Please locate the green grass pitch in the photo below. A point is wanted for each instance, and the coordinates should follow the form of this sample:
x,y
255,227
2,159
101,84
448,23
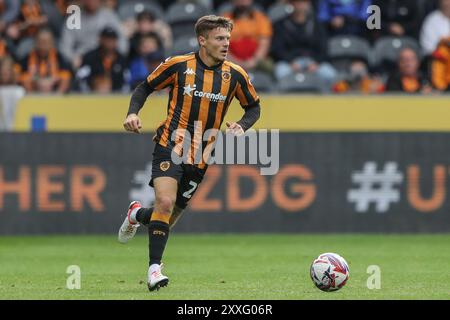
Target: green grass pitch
x,y
224,266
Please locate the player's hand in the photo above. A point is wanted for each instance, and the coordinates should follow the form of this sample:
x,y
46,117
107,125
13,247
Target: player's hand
x,y
133,123
234,128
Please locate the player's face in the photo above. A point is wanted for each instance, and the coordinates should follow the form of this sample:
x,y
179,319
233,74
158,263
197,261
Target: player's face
x,y
217,43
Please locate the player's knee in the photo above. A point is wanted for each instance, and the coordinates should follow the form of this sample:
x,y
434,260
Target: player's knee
x,y
165,204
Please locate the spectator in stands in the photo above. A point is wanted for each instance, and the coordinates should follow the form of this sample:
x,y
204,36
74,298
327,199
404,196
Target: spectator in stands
x,y
300,44
150,55
147,22
359,81
77,42
105,66
399,18
344,16
440,70
9,71
32,16
435,27
30,19
62,5
251,36
9,11
408,78
44,69
6,48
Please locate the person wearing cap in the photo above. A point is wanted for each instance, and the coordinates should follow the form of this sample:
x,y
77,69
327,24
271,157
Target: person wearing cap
x,y
94,18
104,66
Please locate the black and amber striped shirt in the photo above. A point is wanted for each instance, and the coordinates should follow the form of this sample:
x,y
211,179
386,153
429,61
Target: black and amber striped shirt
x,y
199,98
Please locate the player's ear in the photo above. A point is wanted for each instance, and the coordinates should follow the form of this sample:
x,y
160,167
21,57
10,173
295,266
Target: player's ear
x,y
201,40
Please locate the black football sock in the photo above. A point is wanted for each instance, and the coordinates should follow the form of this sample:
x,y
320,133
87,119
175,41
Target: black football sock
x,y
158,233
143,216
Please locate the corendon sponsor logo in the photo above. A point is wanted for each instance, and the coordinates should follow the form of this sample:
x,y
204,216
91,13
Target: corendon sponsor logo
x,y
214,97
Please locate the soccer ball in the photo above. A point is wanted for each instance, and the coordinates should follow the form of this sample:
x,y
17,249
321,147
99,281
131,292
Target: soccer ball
x,y
329,272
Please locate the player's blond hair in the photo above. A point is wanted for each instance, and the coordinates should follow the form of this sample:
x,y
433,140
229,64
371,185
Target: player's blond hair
x,y
211,22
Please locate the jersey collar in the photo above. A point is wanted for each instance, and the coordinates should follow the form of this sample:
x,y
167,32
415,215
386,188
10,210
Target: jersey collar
x,y
197,56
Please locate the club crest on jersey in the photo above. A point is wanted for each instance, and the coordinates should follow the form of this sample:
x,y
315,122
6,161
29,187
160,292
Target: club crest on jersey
x,y
164,166
226,76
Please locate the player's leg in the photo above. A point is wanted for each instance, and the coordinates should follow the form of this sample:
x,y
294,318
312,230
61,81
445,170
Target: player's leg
x,y
143,215
136,216
158,228
188,185
171,198
162,166
176,214
130,224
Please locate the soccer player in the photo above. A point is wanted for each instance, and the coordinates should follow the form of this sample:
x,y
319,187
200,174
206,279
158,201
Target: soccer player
x,y
202,86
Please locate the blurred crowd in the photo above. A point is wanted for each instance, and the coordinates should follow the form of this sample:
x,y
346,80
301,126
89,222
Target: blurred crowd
x,y
286,46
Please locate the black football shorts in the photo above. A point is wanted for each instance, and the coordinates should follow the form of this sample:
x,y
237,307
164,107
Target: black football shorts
x,y
187,176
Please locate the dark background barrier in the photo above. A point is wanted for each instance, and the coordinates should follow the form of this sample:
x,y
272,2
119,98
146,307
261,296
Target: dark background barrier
x,y
327,182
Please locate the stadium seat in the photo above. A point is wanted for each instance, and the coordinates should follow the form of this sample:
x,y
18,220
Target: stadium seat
x,y
279,11
386,49
130,9
348,47
342,50
183,16
261,81
184,45
300,82
183,30
185,12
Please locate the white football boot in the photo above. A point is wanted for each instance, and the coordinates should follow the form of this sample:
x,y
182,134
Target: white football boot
x,y
128,228
156,279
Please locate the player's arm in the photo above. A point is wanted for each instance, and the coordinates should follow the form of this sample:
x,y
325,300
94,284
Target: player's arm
x,y
160,78
249,101
249,118
133,122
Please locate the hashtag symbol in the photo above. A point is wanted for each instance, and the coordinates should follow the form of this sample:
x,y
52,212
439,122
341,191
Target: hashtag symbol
x,y
375,187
